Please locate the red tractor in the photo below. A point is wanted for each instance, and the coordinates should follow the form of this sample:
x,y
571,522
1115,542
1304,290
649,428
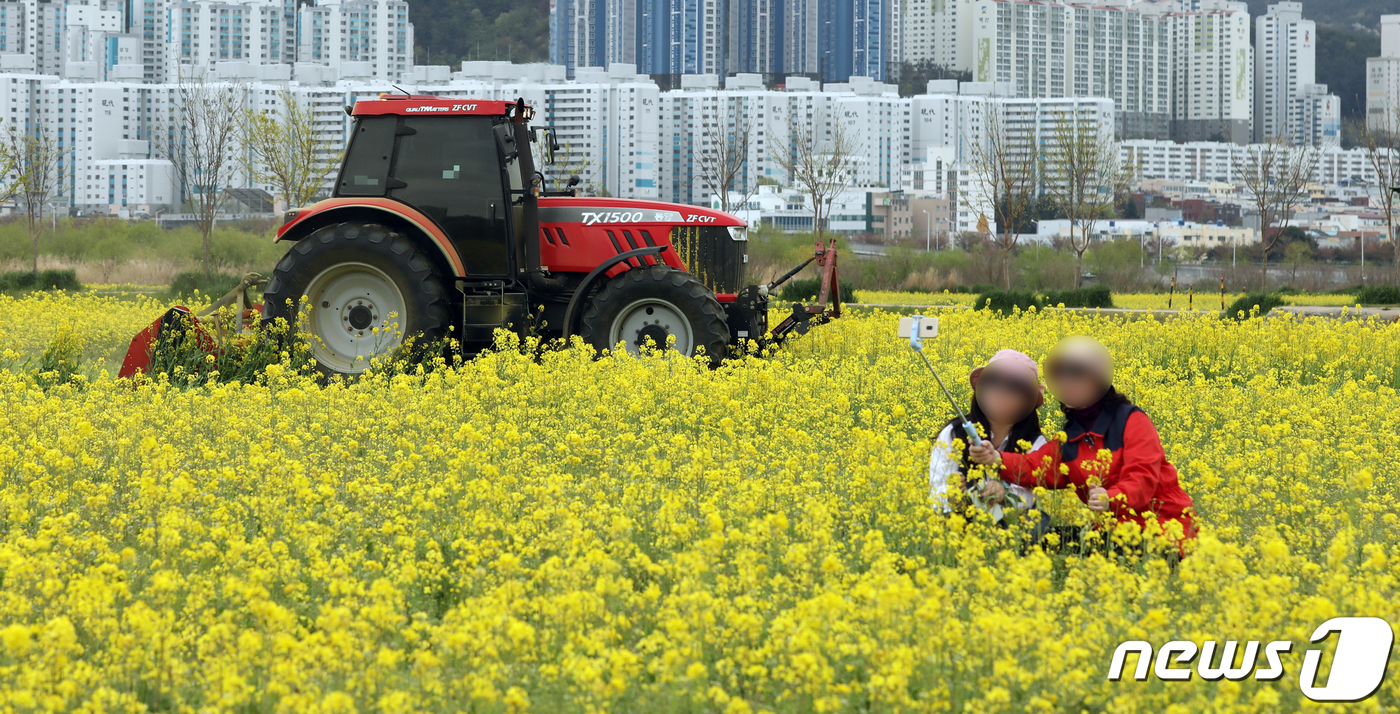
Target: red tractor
x,y
440,225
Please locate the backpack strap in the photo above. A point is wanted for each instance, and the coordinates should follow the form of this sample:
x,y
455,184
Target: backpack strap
x,y
1107,433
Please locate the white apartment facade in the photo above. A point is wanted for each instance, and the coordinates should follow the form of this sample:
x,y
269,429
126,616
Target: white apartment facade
x,y
1383,79
361,38
1285,61
1172,69
1315,117
160,41
873,116
1213,81
607,120
1065,50
1206,161
68,39
210,32
934,30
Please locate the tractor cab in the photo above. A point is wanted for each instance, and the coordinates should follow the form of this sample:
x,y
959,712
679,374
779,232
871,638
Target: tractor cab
x,y
456,162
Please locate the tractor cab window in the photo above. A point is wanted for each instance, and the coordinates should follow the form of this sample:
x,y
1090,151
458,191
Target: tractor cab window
x,y
449,168
366,168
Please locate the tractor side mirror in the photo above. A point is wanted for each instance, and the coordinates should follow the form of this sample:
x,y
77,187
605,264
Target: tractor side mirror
x,y
545,135
505,141
574,181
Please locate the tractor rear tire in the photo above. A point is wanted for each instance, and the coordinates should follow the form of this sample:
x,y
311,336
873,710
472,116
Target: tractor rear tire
x,y
368,287
651,304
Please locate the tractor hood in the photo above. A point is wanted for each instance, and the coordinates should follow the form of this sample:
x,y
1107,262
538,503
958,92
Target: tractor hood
x,y
580,232
592,210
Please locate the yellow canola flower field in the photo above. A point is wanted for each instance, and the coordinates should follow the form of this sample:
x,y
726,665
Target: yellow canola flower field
x,y
102,321
645,535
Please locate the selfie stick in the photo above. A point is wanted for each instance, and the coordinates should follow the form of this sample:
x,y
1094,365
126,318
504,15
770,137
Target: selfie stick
x,y
917,343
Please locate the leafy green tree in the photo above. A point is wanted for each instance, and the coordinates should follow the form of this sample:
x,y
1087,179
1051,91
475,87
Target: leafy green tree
x,y
283,148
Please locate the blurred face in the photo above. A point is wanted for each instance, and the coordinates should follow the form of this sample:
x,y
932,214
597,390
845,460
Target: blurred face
x,y
1003,398
1075,383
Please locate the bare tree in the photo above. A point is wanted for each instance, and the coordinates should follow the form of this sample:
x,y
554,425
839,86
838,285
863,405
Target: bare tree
x,y
1003,171
1085,176
723,156
1380,140
35,163
11,180
200,137
283,150
1275,175
820,167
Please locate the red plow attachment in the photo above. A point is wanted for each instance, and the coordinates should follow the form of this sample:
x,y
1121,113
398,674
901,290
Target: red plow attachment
x,y
828,304
180,322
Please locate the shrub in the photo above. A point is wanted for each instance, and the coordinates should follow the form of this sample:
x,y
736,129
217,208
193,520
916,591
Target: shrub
x,y
42,280
1096,296
213,285
1006,301
59,363
803,290
1240,308
1378,295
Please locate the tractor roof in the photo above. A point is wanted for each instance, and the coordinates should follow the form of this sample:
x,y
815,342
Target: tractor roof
x,y
412,104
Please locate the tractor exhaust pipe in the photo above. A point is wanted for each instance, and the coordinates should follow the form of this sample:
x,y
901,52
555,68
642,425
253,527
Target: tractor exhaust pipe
x,y
528,233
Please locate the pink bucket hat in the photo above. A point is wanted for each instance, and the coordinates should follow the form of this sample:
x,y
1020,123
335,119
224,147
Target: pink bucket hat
x,y
1016,364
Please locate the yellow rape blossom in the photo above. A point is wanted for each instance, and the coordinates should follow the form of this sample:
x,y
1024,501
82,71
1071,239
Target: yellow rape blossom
x,y
564,534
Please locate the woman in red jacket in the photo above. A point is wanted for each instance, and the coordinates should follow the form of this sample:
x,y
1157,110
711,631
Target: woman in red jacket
x,y
1134,481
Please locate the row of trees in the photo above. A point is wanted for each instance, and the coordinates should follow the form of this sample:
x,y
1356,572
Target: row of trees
x,y
819,160
214,140
32,167
1082,172
1380,140
1077,168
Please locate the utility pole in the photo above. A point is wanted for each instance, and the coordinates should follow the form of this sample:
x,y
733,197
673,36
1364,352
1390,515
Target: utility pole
x,y
928,231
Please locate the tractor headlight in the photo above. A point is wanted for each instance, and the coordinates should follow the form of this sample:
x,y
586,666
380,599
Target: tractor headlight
x,y
290,216
739,233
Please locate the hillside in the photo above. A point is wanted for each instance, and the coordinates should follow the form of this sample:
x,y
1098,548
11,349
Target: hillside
x,y
1344,13
450,31
1341,65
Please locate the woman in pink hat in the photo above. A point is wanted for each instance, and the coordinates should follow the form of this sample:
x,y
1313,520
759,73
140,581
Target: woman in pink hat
x,y
1006,394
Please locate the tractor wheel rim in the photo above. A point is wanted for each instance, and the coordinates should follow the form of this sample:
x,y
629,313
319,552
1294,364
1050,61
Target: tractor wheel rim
x,y
357,313
655,319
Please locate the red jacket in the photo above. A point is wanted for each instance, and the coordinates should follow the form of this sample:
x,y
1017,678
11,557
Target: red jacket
x,y
1139,479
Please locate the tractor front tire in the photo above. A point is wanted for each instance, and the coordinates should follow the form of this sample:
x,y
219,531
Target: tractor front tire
x,y
648,306
367,288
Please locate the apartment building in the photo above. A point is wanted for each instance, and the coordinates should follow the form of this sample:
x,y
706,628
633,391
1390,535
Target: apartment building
x,y
1285,62
1383,79
1206,161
